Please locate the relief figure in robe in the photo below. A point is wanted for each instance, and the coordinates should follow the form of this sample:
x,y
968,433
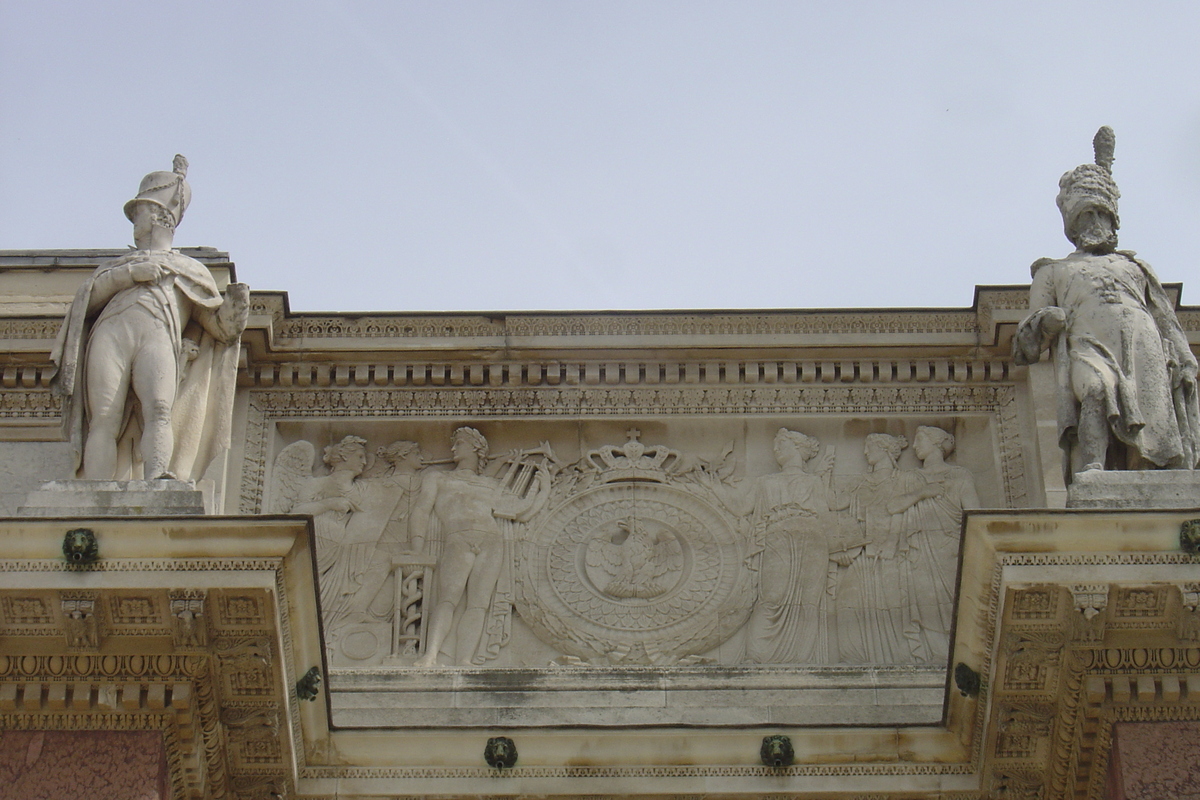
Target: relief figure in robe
x,y
791,532
871,590
933,524
387,499
332,500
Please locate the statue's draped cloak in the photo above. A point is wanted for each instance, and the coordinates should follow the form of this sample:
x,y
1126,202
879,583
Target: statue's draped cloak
x,y
203,408
1140,356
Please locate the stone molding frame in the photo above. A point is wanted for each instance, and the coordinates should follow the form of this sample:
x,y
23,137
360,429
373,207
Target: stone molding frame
x,y
1052,687
214,680
1067,660
1053,678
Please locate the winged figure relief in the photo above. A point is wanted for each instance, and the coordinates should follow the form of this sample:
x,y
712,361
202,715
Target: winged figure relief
x,y
636,562
332,500
293,471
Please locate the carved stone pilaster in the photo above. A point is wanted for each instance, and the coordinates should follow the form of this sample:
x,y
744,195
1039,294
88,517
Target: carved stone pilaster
x,y
1091,601
188,625
1189,613
79,620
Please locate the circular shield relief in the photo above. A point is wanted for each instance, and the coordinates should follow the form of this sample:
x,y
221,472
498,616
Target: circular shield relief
x,y
633,573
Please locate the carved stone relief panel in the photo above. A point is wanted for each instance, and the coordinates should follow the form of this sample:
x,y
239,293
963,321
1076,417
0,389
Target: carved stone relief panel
x,y
715,540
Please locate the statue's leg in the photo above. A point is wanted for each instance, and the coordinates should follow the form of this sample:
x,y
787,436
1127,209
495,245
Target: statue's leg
x,y
1093,432
453,569
155,382
107,389
480,589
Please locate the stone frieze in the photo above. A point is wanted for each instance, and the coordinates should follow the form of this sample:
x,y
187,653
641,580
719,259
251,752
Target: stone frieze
x,y
766,549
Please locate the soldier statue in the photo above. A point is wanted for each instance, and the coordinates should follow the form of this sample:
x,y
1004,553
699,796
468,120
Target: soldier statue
x,y
1126,374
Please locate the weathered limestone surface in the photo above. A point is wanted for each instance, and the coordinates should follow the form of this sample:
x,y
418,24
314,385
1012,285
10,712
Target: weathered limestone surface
x,y
78,498
639,697
24,466
1131,490
632,543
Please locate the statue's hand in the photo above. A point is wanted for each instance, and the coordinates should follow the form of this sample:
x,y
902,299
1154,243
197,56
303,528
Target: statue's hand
x,y
234,311
239,292
145,271
189,349
845,558
237,300
1053,321
1181,365
1036,333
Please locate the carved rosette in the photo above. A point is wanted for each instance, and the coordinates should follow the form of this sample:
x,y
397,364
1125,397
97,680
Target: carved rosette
x,y
674,584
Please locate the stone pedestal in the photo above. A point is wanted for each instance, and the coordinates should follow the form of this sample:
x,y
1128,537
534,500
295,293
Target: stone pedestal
x,y
1134,489
76,498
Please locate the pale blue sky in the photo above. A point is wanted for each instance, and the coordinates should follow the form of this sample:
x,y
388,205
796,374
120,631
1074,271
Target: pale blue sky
x,y
559,155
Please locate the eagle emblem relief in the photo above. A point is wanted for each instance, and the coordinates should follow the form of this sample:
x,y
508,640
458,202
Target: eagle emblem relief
x,y
635,560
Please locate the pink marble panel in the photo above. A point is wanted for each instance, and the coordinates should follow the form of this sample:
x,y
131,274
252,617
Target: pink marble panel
x,y
94,765
1154,761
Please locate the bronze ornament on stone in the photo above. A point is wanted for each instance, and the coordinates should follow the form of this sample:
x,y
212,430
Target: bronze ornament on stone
x,y
309,685
500,752
777,751
80,546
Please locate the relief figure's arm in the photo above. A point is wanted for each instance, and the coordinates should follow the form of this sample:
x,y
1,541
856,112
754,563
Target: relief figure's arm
x,y
903,502
837,497
970,497
418,518
337,503
309,503
739,498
